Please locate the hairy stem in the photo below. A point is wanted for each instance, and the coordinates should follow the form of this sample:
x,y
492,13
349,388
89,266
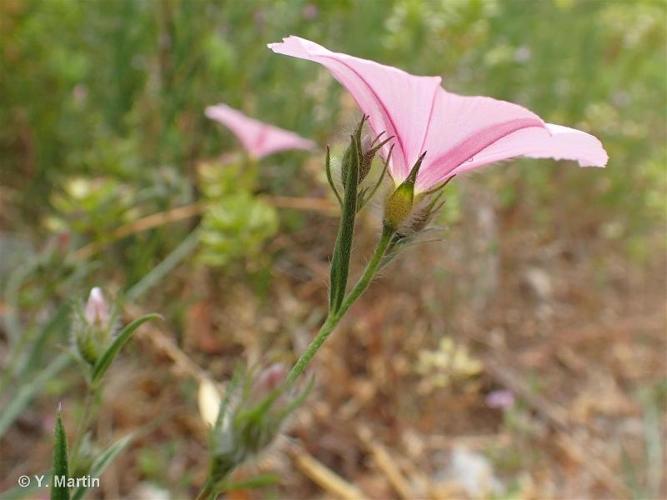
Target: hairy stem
x,y
89,409
208,491
335,316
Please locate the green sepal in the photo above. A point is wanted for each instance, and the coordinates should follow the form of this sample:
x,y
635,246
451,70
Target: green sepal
x,y
330,177
399,204
363,199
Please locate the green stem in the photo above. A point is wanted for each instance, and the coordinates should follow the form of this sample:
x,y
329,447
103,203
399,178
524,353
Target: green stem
x,y
334,318
89,408
208,491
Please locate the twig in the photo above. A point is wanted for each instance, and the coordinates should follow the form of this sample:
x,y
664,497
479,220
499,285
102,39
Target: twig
x,y
386,464
140,225
325,477
321,205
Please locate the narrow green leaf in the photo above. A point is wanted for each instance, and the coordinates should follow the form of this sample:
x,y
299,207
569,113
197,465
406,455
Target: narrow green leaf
x,y
59,490
103,461
121,339
26,392
159,272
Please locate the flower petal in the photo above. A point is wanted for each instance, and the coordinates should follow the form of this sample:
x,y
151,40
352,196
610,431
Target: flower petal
x,y
396,102
469,132
259,139
551,141
464,126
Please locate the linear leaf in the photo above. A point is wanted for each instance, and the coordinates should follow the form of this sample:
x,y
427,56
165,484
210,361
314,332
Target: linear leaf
x,y
121,339
59,491
340,261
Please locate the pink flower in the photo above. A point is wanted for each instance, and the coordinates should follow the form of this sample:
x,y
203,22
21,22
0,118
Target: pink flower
x,y
458,133
259,139
500,398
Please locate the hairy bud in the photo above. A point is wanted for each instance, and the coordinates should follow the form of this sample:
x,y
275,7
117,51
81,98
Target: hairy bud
x,y
97,309
250,418
92,327
399,206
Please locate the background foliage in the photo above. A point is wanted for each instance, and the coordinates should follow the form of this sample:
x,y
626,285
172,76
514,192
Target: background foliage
x,y
102,110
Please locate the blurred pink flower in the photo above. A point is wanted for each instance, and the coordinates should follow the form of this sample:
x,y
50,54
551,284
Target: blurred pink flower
x,y
97,310
458,133
259,139
500,398
269,379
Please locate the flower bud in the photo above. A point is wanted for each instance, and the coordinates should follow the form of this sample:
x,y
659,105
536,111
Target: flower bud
x,y
97,309
500,398
92,327
369,148
351,158
252,416
269,380
399,204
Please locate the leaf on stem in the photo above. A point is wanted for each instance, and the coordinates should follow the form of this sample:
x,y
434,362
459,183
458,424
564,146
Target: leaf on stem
x,y
340,261
105,360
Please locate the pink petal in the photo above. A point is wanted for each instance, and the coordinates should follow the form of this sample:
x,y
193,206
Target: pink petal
x,y
396,102
469,132
553,141
462,127
259,139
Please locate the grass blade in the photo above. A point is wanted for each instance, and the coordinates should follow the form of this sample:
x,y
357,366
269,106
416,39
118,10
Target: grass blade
x,y
24,395
159,272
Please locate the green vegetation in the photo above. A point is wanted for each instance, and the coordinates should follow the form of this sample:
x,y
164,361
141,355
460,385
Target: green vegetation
x,y
102,111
